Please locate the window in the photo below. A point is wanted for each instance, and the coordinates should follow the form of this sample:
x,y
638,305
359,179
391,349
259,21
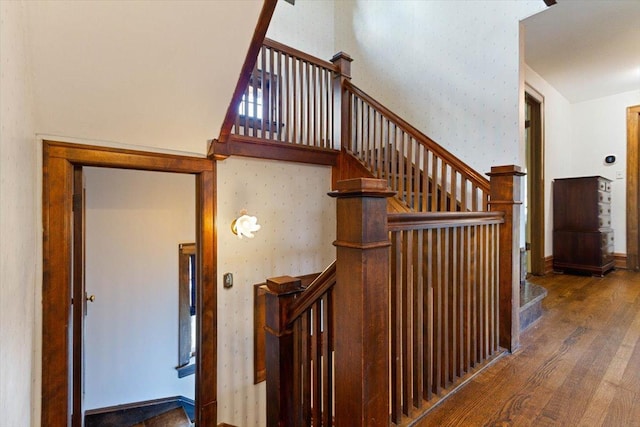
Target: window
x,y
187,287
259,105
251,104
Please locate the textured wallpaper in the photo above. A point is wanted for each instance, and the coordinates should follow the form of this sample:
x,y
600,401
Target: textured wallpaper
x,y
19,222
450,68
298,228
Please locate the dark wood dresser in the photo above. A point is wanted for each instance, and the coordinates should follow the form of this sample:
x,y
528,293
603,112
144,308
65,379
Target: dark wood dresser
x,y
582,233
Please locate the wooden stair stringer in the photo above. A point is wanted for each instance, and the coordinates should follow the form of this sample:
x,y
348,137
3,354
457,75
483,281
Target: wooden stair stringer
x,y
349,167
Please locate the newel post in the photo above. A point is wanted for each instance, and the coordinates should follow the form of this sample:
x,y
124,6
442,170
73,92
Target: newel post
x,y
281,292
341,104
505,197
361,299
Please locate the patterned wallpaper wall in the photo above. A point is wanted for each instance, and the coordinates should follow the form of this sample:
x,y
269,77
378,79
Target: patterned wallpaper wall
x,y
19,223
449,68
307,26
297,220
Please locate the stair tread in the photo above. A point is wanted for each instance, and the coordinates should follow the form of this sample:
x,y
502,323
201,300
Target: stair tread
x,y
174,418
530,293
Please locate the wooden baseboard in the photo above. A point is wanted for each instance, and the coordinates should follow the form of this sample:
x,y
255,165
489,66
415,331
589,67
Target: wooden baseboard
x,y
620,260
548,265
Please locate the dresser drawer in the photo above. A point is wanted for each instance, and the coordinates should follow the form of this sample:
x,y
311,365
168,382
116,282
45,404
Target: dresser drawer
x,y
604,185
604,209
604,221
607,239
604,197
571,248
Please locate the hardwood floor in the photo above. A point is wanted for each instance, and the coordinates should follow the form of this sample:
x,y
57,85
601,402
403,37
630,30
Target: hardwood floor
x,y
577,366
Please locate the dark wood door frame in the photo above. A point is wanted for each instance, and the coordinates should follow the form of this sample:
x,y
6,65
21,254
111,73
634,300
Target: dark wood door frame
x,y
535,180
78,292
60,160
633,187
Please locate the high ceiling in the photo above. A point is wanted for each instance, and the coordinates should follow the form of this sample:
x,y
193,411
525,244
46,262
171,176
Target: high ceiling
x,y
586,49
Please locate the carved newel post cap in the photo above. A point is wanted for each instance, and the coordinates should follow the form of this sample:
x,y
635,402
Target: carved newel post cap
x,y
508,170
341,55
371,187
284,284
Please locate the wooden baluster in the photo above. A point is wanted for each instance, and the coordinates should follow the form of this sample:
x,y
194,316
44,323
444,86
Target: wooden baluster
x,y
418,318
320,113
310,105
446,283
261,84
341,106
281,292
505,197
316,374
327,360
427,269
396,326
362,303
305,366
468,300
407,244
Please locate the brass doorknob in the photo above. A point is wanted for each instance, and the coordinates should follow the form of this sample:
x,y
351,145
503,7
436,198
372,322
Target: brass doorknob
x,y
91,298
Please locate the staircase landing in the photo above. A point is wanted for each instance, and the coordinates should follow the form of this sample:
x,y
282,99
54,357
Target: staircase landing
x,y
531,296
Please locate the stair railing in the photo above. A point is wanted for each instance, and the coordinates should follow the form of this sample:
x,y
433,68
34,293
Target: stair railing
x,y
299,350
444,300
289,98
415,305
427,177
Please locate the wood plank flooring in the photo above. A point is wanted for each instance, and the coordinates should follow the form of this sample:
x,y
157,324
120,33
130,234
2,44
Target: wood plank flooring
x,y
577,366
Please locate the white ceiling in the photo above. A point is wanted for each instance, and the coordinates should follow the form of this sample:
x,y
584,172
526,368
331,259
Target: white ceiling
x,y
586,49
156,74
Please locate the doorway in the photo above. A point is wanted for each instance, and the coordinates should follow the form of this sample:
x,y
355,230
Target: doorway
x,y
135,224
534,199
62,167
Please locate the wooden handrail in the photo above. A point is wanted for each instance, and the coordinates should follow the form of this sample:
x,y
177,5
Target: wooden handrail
x,y
467,170
428,220
312,293
279,47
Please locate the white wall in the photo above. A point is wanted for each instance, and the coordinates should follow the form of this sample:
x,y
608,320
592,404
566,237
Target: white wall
x,y
461,59
19,221
599,128
577,139
298,229
135,221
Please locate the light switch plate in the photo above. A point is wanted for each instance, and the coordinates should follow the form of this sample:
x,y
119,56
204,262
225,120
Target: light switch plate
x,y
227,280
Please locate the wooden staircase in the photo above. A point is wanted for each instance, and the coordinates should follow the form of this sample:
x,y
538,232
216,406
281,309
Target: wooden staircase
x,y
177,411
424,292
174,418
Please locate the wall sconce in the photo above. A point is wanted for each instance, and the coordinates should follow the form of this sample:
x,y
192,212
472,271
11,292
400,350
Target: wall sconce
x,y
245,225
